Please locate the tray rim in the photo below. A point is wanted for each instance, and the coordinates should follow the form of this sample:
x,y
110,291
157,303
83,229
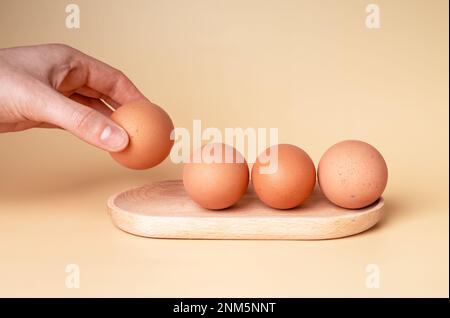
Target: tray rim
x,y
375,208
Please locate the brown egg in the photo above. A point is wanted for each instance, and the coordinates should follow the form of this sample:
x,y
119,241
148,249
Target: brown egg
x,y
216,177
352,174
290,183
149,128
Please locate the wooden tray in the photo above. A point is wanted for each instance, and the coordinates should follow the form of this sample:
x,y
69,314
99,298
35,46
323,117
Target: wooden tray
x,y
164,210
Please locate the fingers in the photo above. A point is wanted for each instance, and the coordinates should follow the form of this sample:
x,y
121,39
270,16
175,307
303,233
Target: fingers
x,y
89,92
84,122
47,125
93,103
19,126
115,88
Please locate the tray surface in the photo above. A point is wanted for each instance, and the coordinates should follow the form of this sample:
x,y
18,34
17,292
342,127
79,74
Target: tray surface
x,y
164,210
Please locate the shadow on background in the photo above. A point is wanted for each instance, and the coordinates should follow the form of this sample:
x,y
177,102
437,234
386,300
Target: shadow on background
x,y
394,211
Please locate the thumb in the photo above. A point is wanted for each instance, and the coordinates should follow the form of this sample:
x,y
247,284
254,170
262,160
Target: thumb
x,y
85,123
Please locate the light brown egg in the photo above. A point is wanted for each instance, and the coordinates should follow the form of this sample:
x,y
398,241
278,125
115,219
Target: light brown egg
x,y
149,128
217,176
291,183
352,174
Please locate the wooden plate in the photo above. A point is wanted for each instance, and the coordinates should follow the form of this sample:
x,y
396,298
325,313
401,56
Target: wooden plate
x,y
164,210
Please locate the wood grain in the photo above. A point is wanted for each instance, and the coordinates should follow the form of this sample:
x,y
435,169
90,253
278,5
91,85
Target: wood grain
x,y
163,210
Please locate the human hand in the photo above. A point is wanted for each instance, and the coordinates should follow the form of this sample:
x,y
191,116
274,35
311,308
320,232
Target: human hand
x,y
55,85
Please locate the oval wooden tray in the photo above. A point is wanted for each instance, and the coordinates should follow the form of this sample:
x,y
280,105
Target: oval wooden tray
x,y
163,210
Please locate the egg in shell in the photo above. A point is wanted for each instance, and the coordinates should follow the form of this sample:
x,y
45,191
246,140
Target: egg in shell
x,y
290,181
216,176
352,174
148,127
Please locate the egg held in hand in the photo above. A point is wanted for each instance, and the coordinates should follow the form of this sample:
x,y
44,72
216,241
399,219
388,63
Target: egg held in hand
x,y
216,176
283,176
149,128
352,174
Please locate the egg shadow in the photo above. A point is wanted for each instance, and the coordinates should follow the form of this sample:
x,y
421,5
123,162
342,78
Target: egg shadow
x,y
51,184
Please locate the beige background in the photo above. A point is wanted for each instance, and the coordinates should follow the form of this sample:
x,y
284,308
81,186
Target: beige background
x,y
312,69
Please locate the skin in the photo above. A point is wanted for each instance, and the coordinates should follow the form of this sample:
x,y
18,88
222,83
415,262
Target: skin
x,y
54,85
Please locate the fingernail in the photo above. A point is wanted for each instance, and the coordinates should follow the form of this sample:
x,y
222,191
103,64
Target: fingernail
x,y
114,138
